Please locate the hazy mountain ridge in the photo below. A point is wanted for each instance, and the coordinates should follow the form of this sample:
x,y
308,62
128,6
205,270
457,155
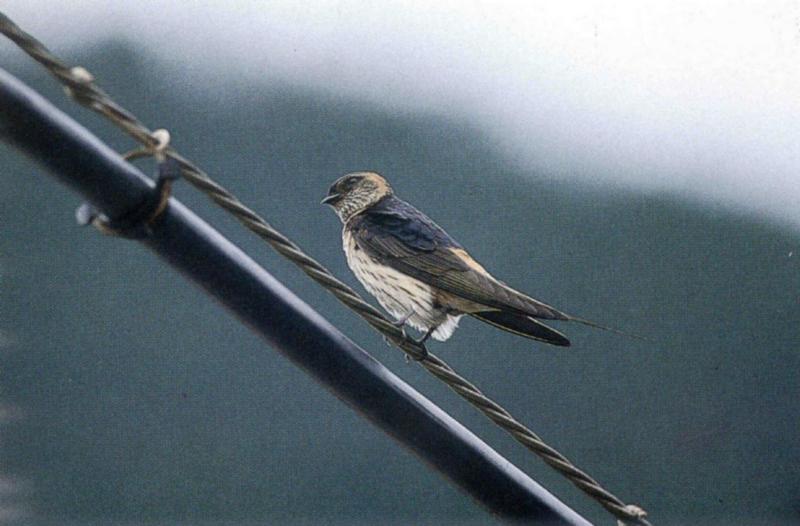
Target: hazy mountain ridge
x,y
101,374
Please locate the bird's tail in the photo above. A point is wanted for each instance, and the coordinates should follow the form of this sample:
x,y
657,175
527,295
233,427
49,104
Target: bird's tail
x,y
523,326
524,304
605,328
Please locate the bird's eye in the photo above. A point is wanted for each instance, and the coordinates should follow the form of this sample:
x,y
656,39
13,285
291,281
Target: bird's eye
x,y
350,182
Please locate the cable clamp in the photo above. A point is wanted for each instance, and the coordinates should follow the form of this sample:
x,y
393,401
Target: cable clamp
x,y
138,223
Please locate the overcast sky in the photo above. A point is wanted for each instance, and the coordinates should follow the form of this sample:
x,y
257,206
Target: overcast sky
x,y
701,101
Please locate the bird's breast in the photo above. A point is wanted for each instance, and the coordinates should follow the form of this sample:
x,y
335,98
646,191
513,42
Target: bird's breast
x,y
398,293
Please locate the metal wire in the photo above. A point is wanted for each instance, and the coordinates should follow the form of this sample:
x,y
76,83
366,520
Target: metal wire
x,y
79,84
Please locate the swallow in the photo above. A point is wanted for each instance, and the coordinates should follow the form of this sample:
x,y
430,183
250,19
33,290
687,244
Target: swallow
x,y
421,275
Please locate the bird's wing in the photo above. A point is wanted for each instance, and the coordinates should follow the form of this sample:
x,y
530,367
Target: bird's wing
x,y
408,241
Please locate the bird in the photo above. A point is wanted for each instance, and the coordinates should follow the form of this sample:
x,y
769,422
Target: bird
x,y
421,275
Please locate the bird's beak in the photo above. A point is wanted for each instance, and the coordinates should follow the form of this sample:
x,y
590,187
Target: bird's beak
x,y
331,199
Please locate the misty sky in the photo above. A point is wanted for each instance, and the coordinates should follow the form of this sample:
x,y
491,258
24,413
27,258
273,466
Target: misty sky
x,y
701,101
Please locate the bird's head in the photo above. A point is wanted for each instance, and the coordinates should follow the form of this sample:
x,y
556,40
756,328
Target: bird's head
x,y
353,193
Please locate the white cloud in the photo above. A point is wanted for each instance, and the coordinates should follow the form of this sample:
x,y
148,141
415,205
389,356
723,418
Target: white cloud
x,y
698,100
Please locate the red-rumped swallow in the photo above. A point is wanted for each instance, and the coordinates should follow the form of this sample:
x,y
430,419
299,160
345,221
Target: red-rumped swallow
x,y
420,274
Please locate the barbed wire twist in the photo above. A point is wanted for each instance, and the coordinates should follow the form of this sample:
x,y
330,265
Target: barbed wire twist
x,y
79,85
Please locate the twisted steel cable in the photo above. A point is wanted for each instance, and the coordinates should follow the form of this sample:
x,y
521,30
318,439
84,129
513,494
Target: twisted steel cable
x,y
79,84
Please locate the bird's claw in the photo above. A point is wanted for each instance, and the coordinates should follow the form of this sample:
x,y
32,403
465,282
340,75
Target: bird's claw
x,y
425,337
402,331
400,322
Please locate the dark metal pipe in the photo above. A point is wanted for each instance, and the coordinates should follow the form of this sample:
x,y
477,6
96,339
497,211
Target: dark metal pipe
x,y
85,164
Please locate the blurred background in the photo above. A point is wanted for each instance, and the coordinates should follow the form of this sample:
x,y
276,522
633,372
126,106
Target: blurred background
x,y
633,163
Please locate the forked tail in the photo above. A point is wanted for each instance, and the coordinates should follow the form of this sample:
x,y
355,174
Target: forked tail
x,y
605,328
523,326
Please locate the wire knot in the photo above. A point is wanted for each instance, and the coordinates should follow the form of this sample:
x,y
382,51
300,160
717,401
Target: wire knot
x,y
156,145
636,513
81,75
161,140
79,85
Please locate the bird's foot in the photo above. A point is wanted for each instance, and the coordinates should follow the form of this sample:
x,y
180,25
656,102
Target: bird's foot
x,y
420,341
402,330
399,322
426,336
